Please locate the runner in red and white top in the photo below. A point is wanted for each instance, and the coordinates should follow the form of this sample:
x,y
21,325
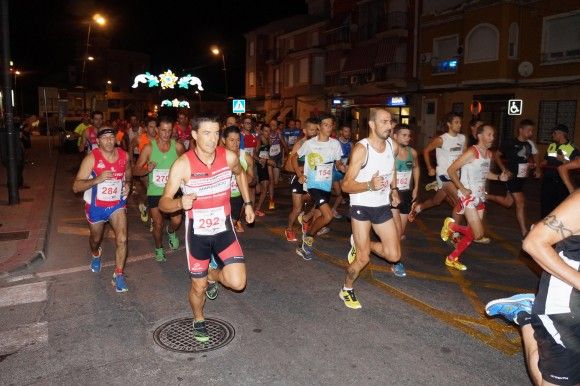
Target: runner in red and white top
x,y
105,178
89,138
182,130
474,165
204,175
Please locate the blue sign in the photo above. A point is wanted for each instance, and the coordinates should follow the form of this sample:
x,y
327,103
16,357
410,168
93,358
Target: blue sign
x,y
397,100
239,106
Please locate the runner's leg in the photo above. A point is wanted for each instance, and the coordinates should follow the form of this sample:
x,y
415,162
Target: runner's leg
x,y
96,232
361,233
118,221
520,201
157,218
389,246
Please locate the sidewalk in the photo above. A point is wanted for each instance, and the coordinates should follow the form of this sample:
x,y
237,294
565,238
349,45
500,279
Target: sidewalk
x,y
24,227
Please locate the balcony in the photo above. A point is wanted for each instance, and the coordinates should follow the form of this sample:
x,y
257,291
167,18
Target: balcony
x,y
338,35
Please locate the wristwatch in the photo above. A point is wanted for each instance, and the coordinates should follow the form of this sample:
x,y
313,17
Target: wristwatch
x,y
249,203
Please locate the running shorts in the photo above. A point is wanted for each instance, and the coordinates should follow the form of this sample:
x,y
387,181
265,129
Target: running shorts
x,y
515,185
319,197
96,214
295,186
404,206
376,215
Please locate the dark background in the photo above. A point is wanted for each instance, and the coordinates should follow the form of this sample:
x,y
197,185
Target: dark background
x,y
48,36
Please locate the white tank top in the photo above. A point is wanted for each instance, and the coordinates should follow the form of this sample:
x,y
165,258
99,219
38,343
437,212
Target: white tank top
x,y
383,162
449,151
474,174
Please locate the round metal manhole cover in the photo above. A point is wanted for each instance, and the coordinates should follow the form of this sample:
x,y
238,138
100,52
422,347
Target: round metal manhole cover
x,y
177,335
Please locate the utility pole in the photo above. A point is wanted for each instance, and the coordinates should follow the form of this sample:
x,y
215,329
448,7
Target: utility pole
x,y
11,133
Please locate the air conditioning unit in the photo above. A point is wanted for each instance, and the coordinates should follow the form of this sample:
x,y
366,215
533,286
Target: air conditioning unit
x,y
370,77
354,79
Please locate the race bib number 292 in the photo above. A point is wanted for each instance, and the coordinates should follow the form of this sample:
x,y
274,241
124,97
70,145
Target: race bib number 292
x,y
209,221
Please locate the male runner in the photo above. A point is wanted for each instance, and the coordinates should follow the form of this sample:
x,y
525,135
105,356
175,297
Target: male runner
x,y
519,153
474,165
132,133
204,175
337,177
322,154
139,143
291,133
105,178
249,138
371,180
89,137
155,161
278,147
550,321
448,147
182,130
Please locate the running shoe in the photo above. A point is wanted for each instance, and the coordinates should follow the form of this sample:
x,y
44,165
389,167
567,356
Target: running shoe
x,y
446,232
399,270
455,264
119,282
259,213
290,235
200,331
160,255
96,262
432,186
151,225
213,262
173,239
509,308
272,205
323,231
483,240
212,290
306,251
414,212
352,253
349,298
143,212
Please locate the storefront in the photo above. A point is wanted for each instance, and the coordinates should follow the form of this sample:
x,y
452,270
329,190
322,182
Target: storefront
x,y
398,106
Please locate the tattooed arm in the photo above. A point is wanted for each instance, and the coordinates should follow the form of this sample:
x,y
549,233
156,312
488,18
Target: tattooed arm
x,y
562,223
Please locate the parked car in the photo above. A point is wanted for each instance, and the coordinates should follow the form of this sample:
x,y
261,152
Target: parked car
x,y
68,139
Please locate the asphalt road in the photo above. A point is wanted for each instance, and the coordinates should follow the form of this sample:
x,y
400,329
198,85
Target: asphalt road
x,y
62,324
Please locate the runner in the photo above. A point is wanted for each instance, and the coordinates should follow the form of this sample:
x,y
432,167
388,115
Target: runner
x,y
231,139
105,178
519,153
89,137
474,165
291,133
337,177
204,175
277,149
448,147
155,161
132,134
322,154
250,141
371,180
138,144
564,172
182,130
263,163
299,196
550,321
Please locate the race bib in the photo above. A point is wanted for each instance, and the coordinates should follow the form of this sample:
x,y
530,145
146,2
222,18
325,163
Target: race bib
x,y
274,150
207,222
186,144
263,154
404,180
160,177
292,139
323,173
110,190
523,170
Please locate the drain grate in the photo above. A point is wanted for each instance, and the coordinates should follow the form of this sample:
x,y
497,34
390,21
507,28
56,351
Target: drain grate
x,y
177,335
10,236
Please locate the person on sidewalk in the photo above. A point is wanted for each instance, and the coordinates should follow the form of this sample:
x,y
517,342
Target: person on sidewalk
x,y
155,160
204,174
105,178
371,181
550,321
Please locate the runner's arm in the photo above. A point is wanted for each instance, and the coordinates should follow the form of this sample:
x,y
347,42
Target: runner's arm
x,y
250,170
357,158
82,181
498,161
84,139
178,172
564,172
179,148
416,173
434,144
562,223
456,166
141,166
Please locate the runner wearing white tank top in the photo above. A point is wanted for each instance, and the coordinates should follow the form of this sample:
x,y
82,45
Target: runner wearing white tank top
x,y
371,181
474,165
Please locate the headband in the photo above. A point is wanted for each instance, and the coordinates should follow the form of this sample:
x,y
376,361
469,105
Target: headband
x,y
104,131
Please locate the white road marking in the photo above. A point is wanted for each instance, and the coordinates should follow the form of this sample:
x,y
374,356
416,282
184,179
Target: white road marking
x,y
24,293
27,335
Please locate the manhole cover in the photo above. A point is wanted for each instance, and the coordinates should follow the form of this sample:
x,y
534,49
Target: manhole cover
x,y
177,335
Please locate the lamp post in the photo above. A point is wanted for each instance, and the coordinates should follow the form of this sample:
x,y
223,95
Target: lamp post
x,y
99,20
216,51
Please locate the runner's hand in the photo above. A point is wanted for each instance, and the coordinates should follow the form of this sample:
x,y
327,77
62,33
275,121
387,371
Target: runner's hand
x,y
126,190
431,172
151,165
465,192
106,175
395,200
504,176
187,201
415,193
302,179
377,182
250,216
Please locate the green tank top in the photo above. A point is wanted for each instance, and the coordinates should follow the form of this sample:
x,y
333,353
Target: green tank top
x,y
404,170
158,176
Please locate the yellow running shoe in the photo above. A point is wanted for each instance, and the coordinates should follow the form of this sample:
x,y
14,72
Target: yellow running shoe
x,y
432,186
483,240
349,299
455,264
446,232
352,252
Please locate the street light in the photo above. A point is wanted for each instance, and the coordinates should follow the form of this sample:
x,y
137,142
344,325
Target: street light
x,y
216,51
99,20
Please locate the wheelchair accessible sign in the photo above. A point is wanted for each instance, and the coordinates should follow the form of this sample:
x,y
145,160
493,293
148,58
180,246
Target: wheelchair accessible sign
x,y
515,106
239,106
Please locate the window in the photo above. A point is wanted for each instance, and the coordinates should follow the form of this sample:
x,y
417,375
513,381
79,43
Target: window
x,y
252,48
303,74
291,44
553,113
561,37
261,79
445,52
251,79
290,75
514,32
315,38
277,81
318,70
482,44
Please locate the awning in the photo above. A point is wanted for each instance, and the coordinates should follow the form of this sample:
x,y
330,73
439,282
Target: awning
x,y
386,51
360,60
332,64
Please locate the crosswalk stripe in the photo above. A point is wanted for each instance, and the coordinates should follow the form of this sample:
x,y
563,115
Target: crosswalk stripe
x,y
14,340
24,293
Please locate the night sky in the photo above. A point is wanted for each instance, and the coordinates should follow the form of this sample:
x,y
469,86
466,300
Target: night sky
x,y
45,35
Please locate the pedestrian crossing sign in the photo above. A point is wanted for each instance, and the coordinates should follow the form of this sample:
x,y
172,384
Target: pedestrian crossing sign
x,y
239,106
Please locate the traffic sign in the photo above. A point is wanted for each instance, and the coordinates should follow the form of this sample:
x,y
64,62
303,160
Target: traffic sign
x,y
239,106
515,106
